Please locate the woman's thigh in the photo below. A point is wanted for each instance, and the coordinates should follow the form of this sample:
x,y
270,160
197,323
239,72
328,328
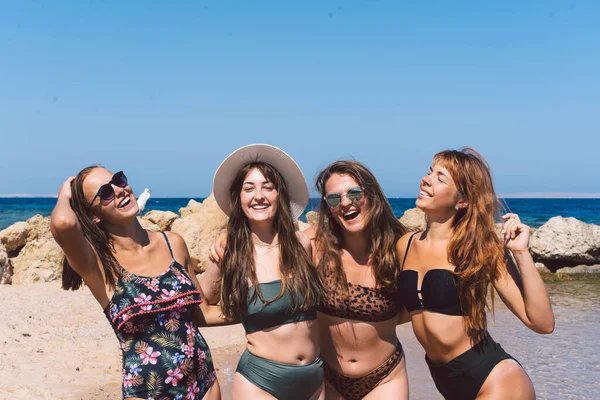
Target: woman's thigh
x,y
508,380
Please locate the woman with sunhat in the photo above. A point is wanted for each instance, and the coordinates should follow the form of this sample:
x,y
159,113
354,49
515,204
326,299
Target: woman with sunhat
x,y
265,276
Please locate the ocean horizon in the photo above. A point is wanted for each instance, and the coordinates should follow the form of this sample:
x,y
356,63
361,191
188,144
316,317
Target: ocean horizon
x,y
533,211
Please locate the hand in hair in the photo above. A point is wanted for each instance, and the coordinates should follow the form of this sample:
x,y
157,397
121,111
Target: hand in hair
x,y
516,234
65,189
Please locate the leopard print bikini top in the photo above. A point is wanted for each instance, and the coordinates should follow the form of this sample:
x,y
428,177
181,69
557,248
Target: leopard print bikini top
x,y
362,303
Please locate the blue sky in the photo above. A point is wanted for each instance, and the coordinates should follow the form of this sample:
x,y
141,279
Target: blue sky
x,y
164,90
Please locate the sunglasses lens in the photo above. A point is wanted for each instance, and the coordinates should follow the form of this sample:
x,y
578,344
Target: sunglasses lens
x,y
119,179
106,192
355,194
333,200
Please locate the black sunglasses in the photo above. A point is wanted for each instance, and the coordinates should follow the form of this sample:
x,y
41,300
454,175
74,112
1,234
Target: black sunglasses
x,y
106,191
335,199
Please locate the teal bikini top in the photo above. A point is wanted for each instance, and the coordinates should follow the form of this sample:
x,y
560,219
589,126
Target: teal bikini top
x,y
259,316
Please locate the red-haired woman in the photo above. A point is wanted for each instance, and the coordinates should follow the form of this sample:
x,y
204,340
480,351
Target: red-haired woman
x,y
446,273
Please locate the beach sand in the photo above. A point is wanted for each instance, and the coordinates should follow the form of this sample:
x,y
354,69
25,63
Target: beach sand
x,y
56,344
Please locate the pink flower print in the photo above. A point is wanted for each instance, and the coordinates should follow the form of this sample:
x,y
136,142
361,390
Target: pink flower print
x,y
190,328
188,350
153,285
174,376
143,298
149,356
176,312
127,380
183,279
192,391
167,294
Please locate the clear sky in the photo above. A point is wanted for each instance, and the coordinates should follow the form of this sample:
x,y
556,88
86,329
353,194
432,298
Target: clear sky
x,y
164,90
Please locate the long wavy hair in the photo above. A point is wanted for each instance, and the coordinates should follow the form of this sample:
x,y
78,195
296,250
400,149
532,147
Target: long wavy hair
x,y
476,251
238,263
95,233
383,228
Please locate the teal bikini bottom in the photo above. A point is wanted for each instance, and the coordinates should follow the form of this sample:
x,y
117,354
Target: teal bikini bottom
x,y
283,381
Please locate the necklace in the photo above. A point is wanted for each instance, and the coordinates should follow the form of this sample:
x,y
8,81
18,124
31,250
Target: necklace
x,y
267,246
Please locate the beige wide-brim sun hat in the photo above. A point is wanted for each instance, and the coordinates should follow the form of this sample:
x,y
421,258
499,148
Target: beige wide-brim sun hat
x,y
279,159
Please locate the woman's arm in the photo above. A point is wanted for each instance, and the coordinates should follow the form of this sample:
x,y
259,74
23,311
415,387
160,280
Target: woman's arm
x,y
209,315
67,232
522,288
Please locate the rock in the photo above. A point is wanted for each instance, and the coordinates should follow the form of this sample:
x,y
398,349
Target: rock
x,y
414,219
312,217
200,224
566,240
148,225
164,219
5,267
39,260
193,207
300,226
579,272
545,273
15,236
38,227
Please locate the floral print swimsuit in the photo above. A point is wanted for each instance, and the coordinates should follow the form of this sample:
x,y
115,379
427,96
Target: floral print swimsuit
x,y
164,353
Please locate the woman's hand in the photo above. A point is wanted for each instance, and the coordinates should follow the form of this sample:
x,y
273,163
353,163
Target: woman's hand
x,y
65,189
516,234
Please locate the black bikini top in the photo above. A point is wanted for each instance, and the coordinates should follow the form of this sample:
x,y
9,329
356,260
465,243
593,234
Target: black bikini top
x,y
438,290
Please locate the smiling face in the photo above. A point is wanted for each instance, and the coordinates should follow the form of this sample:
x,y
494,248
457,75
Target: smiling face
x,y
438,191
258,197
352,217
121,208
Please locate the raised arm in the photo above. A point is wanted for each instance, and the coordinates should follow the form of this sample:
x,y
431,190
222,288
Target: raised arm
x,y
522,288
67,232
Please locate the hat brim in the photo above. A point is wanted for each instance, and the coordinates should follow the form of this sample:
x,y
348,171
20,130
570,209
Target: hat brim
x,y
279,159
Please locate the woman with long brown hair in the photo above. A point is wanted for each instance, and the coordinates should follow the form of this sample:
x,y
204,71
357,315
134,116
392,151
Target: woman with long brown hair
x,y
448,269
354,249
144,282
354,246
265,276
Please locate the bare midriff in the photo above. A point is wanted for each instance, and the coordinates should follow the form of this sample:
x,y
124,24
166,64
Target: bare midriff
x,y
355,348
294,343
444,337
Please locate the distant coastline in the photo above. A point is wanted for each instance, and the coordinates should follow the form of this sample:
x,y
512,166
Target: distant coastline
x,y
551,195
533,195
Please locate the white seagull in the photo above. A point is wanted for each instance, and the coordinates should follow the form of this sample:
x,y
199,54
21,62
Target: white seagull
x,y
143,199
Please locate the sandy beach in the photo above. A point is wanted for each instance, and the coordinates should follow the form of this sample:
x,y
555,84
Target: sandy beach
x,y
58,345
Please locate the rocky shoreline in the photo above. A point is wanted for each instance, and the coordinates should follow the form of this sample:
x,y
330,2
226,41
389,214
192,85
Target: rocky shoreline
x,y
563,248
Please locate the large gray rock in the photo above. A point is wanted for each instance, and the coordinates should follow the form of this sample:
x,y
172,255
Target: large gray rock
x,y
566,240
163,219
15,236
200,224
414,220
579,272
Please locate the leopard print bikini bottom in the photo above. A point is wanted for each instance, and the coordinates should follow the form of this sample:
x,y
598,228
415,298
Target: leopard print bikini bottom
x,y
359,387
